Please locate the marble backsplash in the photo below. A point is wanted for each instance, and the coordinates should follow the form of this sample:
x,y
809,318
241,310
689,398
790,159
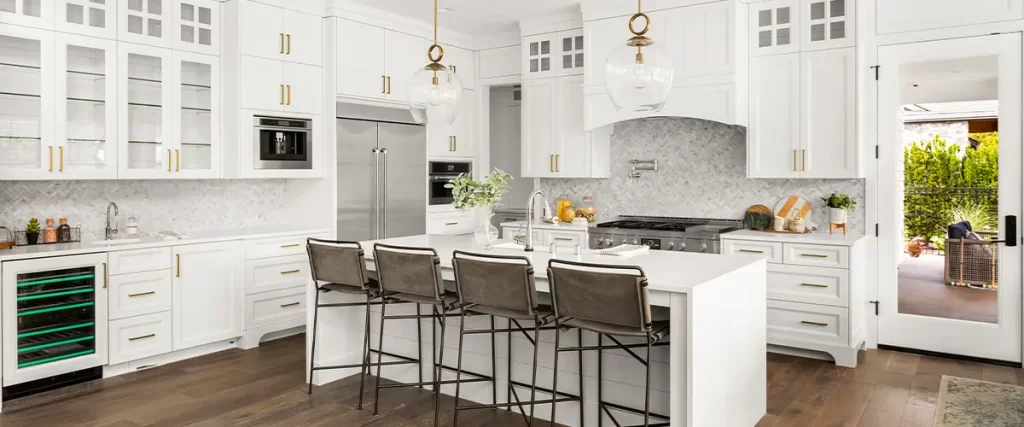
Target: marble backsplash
x,y
702,174
158,205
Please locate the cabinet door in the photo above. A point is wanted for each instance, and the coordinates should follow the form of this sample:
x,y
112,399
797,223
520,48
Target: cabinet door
x,y
27,143
827,24
199,117
404,55
86,17
463,140
198,26
31,13
828,124
262,30
303,88
572,151
600,37
539,58
86,107
303,38
462,63
773,134
775,27
700,39
146,21
145,112
539,121
916,15
360,60
263,80
569,59
207,293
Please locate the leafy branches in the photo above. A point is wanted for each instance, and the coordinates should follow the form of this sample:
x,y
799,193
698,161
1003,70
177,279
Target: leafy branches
x,y
469,193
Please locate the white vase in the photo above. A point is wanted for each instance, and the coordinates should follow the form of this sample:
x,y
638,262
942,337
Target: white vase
x,y
837,216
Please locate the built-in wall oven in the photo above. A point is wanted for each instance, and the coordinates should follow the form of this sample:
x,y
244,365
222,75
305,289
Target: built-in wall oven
x,y
282,143
440,173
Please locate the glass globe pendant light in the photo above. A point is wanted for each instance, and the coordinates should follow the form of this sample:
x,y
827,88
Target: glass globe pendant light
x,y
435,92
638,74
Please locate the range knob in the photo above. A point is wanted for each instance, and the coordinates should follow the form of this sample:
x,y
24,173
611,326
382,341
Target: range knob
x,y
703,246
624,241
682,246
670,246
635,241
607,242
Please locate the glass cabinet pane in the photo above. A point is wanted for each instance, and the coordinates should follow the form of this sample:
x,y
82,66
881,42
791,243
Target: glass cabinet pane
x,y
86,143
145,76
21,108
196,110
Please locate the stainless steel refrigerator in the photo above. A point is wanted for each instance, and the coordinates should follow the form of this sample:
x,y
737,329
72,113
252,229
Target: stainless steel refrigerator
x,y
382,179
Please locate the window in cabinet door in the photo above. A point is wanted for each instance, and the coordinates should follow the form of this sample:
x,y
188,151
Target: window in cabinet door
x,y
145,75
774,29
21,104
572,54
539,56
196,116
145,19
92,17
196,26
34,13
87,110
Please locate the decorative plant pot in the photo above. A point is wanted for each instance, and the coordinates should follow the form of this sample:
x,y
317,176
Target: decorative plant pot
x,y
487,233
837,216
32,238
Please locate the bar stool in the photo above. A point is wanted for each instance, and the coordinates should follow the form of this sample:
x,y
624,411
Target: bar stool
x,y
413,275
342,266
609,301
503,286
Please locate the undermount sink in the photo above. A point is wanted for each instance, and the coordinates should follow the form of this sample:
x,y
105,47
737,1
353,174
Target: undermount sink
x,y
112,242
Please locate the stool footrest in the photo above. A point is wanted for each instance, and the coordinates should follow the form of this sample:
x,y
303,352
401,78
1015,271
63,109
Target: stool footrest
x,y
603,406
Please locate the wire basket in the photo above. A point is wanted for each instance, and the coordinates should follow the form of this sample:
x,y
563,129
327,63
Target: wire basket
x,y
972,263
20,239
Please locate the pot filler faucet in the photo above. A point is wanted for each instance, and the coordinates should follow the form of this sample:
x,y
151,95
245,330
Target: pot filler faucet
x,y
546,213
111,232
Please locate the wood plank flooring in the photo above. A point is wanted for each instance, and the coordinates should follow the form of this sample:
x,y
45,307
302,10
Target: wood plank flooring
x,y
264,387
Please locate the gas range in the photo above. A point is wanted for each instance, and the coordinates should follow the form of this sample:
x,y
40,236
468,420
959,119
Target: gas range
x,y
663,233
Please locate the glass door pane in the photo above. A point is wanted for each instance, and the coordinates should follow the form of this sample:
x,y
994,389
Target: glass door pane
x,y
145,78
86,142
196,116
21,104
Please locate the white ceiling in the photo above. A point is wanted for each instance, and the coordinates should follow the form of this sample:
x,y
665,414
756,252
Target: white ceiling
x,y
476,17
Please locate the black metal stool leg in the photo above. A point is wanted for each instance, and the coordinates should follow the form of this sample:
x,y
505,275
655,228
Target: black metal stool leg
x,y
440,363
494,365
579,355
647,386
533,380
419,342
554,382
600,380
366,354
312,349
380,355
458,368
508,393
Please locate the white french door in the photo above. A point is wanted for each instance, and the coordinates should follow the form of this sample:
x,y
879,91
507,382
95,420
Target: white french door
x,y
960,70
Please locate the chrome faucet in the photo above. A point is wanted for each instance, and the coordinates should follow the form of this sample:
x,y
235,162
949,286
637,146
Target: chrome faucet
x,y
111,232
546,213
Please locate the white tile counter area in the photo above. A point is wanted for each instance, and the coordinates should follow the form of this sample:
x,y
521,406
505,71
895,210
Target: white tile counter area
x,y
712,374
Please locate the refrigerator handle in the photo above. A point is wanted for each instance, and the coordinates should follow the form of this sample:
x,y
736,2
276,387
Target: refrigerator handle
x,y
376,193
384,185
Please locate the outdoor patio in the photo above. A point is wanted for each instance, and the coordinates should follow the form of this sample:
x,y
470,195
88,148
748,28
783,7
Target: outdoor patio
x,y
922,292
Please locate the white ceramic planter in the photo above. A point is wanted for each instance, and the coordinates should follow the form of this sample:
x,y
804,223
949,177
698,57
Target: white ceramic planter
x,y
837,216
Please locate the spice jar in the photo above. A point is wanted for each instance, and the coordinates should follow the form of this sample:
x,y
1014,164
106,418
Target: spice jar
x,y
49,233
568,214
587,210
63,231
563,202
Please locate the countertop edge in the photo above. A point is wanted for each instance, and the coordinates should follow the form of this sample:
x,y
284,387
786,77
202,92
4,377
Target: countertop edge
x,y
817,238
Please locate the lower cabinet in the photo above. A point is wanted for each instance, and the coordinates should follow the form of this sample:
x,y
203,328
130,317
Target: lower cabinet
x,y
545,237
275,307
207,293
140,337
451,223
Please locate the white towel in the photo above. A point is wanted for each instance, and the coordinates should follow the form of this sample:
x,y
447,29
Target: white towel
x,y
625,250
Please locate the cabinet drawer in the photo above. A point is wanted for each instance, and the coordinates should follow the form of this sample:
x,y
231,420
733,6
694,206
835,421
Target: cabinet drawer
x,y
769,250
134,261
808,322
275,307
816,255
272,274
813,285
451,223
140,293
140,337
564,238
275,247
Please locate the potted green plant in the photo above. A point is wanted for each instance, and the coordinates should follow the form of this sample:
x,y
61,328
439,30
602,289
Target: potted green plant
x,y
484,196
838,204
32,231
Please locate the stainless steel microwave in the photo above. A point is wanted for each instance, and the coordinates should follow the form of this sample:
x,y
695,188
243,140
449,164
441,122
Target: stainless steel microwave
x,y
282,143
439,175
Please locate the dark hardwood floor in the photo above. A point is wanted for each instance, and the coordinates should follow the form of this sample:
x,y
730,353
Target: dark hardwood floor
x,y
264,387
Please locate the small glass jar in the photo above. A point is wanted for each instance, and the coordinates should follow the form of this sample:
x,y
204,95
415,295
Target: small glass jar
x,y
563,202
132,227
63,231
49,233
587,210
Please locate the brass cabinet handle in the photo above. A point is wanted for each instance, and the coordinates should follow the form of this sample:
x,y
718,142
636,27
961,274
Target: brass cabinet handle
x,y
289,305
281,42
293,245
450,223
751,251
141,294
813,285
51,158
551,163
177,271
814,256
808,322
449,143
455,143
288,37
289,94
563,239
804,162
177,160
282,94
558,161
168,160
383,84
794,160
389,85
106,278
142,337
61,158
290,272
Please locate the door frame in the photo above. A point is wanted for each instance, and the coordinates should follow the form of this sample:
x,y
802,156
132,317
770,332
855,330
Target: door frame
x,y
876,194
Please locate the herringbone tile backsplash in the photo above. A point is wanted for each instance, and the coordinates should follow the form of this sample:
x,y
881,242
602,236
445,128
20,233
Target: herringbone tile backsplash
x,y
702,174
181,206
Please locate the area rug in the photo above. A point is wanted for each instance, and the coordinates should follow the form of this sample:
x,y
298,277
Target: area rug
x,y
965,402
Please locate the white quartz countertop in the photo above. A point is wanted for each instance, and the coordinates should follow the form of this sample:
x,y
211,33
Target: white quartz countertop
x,y
148,241
817,238
541,225
665,271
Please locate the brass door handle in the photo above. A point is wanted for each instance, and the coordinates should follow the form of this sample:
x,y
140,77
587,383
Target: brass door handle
x,y
61,158
282,94
177,270
142,337
807,322
455,143
289,305
106,278
290,272
289,94
813,285
804,162
281,43
51,158
558,166
450,223
141,294
293,245
177,160
750,251
383,84
814,256
288,37
389,85
168,160
563,239
794,161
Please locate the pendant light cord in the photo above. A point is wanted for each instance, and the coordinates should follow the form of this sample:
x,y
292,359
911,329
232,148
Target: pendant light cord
x,y
435,21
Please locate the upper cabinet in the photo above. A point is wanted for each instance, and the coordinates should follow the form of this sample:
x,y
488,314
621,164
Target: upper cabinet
x,y
461,62
774,27
500,62
457,139
86,107
27,145
87,17
275,33
916,15
198,26
281,86
554,142
787,26
146,22
31,13
387,61
553,54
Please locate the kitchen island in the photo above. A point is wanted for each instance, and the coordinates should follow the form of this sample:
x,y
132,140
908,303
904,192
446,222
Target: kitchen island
x,y
712,374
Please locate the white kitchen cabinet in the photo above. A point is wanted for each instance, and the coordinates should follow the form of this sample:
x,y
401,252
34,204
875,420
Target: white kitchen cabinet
x,y
145,112
918,15
86,107
500,62
452,223
365,77
147,22
27,144
572,143
198,154
30,13
600,38
197,28
554,142
207,293
275,33
461,62
700,39
456,139
828,114
553,54
303,88
86,17
270,308
140,337
540,98
136,294
404,55
775,27
827,24
773,134
281,86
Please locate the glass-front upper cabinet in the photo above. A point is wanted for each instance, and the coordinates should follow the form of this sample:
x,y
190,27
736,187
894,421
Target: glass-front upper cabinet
x,y
198,155
32,13
828,24
97,18
145,114
146,22
198,26
26,103
86,107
